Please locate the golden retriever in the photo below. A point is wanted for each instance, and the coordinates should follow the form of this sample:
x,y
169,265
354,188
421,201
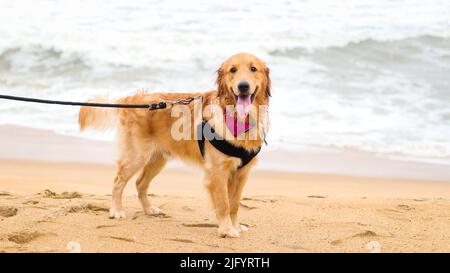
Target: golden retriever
x,y
148,139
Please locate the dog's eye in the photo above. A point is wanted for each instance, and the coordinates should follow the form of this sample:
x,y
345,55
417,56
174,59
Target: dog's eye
x,y
233,70
253,69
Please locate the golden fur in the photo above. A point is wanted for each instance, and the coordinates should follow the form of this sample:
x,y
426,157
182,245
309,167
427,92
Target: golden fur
x,y
146,141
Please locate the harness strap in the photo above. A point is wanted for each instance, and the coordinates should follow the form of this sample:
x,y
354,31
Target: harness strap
x,y
222,145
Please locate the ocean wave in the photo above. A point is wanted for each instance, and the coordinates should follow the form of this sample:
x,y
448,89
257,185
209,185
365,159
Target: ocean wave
x,y
66,61
408,45
36,58
40,67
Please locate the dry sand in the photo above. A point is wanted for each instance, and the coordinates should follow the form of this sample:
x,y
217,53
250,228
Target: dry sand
x,y
286,211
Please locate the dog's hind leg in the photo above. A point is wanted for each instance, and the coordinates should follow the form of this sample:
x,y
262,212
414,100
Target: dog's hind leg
x,y
151,169
125,171
134,152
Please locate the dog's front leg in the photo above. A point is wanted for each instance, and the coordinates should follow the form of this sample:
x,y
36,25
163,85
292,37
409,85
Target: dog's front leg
x,y
217,184
235,188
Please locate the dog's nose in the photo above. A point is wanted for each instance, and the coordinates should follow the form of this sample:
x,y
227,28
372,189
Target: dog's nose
x,y
243,87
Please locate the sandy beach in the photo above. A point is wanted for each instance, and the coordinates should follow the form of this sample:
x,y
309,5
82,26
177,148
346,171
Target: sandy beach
x,y
54,197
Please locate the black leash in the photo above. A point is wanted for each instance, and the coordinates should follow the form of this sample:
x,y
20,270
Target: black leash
x,y
152,106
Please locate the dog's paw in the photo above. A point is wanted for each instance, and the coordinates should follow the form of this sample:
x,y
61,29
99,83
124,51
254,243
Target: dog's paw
x,y
228,232
153,210
241,228
114,213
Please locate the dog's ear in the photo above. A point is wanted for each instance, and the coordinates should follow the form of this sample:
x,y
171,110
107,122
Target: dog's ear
x,y
220,82
268,81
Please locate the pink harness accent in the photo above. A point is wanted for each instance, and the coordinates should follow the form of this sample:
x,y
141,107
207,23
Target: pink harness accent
x,y
237,127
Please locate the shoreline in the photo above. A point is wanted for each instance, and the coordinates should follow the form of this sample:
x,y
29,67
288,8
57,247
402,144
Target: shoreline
x,y
23,143
21,177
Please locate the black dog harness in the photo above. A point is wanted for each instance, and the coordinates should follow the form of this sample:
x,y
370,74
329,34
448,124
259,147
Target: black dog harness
x,y
222,145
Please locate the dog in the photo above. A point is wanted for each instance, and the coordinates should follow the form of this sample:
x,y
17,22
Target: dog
x,y
146,138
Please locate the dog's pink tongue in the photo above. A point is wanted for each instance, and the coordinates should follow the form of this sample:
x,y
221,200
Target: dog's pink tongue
x,y
243,106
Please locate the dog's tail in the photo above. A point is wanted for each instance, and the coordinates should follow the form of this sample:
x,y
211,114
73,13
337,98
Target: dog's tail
x,y
97,118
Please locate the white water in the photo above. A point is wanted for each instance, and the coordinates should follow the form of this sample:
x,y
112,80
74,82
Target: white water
x,y
362,75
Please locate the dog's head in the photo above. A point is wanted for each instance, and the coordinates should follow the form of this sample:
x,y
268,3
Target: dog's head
x,y
243,80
